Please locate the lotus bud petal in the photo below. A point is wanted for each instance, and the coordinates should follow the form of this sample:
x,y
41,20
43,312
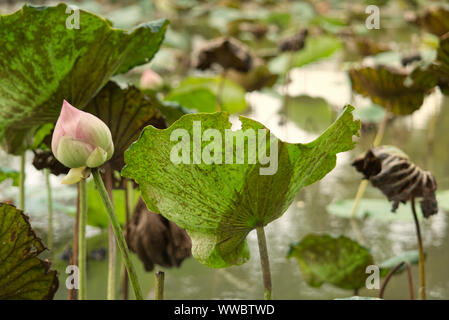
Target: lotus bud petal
x,y
80,139
75,175
150,80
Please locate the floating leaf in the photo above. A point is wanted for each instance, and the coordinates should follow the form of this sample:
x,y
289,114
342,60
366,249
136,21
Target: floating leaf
x,y
43,62
370,114
412,257
325,259
6,173
219,204
310,113
378,209
200,94
22,274
386,87
316,48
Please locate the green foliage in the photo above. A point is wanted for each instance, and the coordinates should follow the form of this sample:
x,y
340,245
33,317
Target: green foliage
x,y
200,94
412,257
310,113
6,173
316,48
48,62
325,259
217,204
22,274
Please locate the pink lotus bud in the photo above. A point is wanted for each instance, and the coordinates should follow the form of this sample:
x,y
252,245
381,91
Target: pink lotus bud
x,y
80,139
150,79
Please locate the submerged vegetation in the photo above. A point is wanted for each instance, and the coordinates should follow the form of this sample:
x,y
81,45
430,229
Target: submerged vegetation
x,y
175,126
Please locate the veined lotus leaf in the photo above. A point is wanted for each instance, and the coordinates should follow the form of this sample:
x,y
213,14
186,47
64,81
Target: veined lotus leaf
x,y
221,202
339,261
441,67
200,94
386,87
43,62
435,20
126,112
22,274
6,173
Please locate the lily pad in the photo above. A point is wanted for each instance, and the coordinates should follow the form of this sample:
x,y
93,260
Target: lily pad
x,y
379,209
200,94
386,86
217,203
22,274
6,173
48,62
338,261
310,113
411,257
316,48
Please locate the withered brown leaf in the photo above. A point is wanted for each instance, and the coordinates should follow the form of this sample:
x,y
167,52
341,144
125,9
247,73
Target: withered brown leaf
x,y
390,170
157,240
228,52
294,43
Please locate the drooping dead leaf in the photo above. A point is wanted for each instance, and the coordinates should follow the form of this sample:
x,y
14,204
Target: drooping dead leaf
x,y
294,43
390,170
227,52
45,160
157,240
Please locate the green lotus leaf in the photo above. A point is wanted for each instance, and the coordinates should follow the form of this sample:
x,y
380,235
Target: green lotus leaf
x,y
338,261
6,173
310,113
386,86
435,20
44,62
200,94
23,276
126,112
379,209
219,204
412,257
316,48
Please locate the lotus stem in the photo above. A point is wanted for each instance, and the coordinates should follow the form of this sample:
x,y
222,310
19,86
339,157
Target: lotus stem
x,y
22,182
129,196
159,278
221,83
82,243
364,183
118,234
264,262
112,247
422,274
74,258
390,275
50,211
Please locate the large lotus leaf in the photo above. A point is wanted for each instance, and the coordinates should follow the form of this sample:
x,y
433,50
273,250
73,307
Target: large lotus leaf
x,y
6,173
126,112
200,94
339,261
43,62
387,87
219,204
22,274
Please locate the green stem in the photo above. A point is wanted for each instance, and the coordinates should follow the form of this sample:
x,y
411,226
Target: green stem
x,y
22,182
422,274
159,285
118,234
112,247
82,243
50,211
264,262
